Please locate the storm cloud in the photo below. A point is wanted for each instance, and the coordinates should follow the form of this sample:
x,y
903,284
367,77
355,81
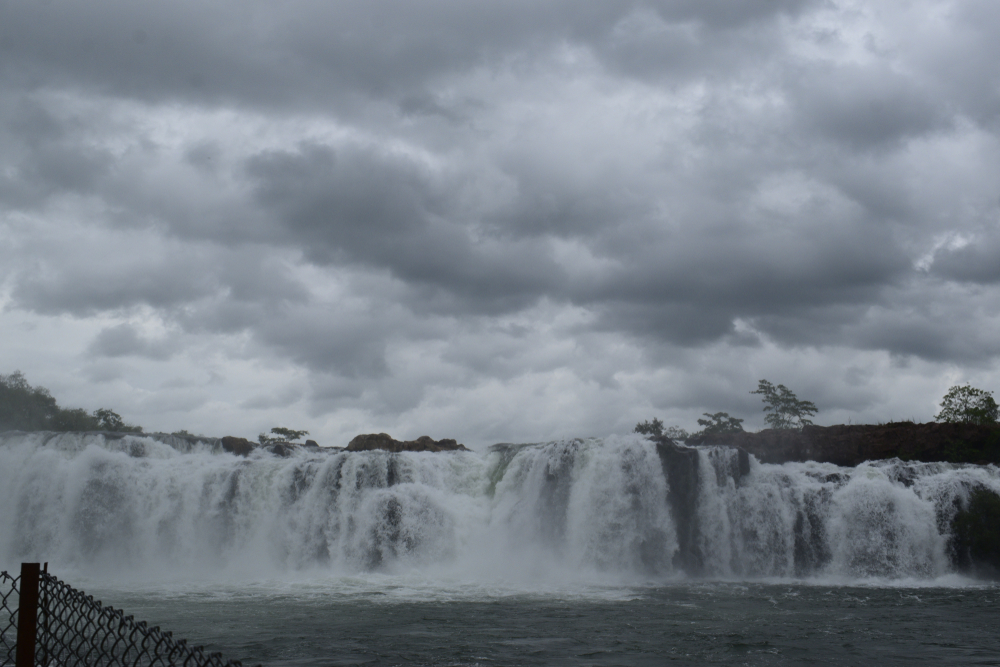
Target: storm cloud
x,y
497,222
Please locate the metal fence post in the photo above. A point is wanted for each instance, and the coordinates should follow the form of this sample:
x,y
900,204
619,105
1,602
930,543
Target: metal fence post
x,y
43,613
27,615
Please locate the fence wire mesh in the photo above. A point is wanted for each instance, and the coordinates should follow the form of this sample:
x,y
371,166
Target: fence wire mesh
x,y
75,630
8,617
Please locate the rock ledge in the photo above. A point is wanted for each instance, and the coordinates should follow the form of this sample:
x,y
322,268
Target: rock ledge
x,y
369,441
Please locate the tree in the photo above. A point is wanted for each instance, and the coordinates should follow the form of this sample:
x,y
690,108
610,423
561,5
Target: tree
x,y
283,435
23,407
109,420
27,408
784,409
967,405
720,422
76,419
654,427
676,433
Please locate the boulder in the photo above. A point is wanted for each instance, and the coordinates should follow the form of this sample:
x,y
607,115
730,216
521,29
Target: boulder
x,y
238,446
282,449
370,441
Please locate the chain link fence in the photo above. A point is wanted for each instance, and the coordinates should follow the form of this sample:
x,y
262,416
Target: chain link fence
x,y
73,629
8,618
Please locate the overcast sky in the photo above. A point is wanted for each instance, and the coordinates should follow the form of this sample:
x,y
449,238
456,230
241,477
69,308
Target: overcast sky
x,y
498,221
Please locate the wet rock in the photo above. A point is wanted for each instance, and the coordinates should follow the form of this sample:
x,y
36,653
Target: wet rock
x,y
311,443
370,441
680,467
282,449
238,446
850,445
975,535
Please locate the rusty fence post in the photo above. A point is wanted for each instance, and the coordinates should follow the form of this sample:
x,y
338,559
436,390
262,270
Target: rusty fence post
x,y
27,615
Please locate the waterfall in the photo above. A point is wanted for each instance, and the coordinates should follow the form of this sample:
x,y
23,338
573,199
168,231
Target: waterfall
x,y
619,506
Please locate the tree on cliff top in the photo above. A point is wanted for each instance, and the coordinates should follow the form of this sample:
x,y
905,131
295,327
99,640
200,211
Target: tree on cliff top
x,y
109,420
27,408
720,422
655,428
784,409
967,405
283,435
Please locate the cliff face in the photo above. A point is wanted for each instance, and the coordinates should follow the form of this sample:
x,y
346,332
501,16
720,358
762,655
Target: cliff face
x,y
849,445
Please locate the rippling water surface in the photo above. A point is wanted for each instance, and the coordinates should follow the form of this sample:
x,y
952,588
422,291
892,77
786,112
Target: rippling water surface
x,y
395,621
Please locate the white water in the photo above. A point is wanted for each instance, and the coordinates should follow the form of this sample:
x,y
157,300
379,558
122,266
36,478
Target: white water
x,y
574,511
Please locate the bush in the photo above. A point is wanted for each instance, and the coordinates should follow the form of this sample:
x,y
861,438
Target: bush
x,y
967,405
785,410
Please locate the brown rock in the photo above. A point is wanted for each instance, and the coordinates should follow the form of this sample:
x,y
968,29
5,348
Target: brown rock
x,y
283,449
238,446
369,441
849,445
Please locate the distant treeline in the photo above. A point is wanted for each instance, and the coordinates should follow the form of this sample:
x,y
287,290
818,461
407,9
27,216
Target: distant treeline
x,y
27,408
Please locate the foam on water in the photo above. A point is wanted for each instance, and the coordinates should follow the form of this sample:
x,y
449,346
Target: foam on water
x,y
580,514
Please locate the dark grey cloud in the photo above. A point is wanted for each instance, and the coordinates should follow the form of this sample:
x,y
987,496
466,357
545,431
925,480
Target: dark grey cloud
x,y
421,204
85,287
868,107
123,340
387,211
44,154
309,52
977,261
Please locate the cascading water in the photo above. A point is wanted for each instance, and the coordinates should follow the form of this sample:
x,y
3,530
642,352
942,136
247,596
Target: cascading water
x,y
622,506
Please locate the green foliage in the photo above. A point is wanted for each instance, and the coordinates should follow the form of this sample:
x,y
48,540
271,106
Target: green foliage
x,y
108,420
281,434
654,427
784,409
720,422
23,407
27,408
75,419
676,433
967,405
